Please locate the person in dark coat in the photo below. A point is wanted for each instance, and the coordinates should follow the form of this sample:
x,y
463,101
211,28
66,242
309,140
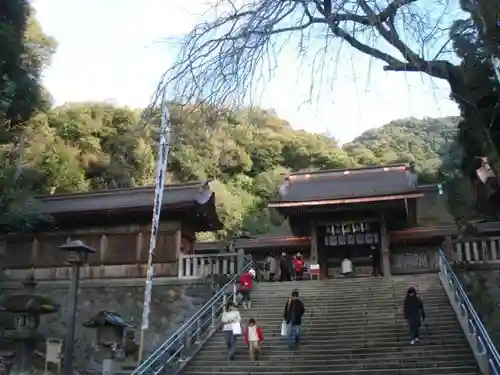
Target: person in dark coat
x,y
285,268
294,310
414,314
375,258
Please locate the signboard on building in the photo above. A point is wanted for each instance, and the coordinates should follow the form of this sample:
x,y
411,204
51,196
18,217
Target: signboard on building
x,y
351,233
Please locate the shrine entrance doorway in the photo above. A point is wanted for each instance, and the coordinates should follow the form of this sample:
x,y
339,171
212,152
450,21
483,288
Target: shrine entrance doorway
x,y
355,240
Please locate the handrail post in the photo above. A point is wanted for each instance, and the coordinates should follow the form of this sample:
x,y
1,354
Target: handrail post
x,y
187,339
214,315
199,327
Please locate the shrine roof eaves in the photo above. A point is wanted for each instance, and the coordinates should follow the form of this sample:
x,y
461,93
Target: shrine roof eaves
x,y
441,231
191,193
340,171
348,185
257,242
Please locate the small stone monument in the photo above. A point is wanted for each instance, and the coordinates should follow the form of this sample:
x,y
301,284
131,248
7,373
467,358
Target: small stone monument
x,y
110,328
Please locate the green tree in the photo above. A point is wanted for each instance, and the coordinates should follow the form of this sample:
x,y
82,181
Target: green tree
x,y
25,52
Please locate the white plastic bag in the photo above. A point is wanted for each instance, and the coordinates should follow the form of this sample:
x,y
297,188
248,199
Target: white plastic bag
x,y
236,328
284,329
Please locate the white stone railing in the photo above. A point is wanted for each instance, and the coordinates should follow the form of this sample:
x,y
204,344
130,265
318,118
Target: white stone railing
x,y
477,250
203,265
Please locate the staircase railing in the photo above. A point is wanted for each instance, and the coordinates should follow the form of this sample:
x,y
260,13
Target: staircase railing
x,y
484,350
178,349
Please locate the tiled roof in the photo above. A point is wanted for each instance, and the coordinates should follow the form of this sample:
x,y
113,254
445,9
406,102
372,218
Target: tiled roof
x,y
347,183
142,197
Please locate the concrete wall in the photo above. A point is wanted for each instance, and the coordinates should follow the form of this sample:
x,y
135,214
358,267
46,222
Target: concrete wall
x,y
171,304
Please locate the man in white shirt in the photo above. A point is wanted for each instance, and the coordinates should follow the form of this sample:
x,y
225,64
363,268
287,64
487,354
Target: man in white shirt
x,y
346,268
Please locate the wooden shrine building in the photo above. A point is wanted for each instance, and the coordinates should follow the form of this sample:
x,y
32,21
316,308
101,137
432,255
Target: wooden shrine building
x,y
116,223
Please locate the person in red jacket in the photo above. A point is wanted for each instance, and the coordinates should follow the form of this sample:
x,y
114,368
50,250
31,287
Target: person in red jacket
x,y
253,338
246,284
298,264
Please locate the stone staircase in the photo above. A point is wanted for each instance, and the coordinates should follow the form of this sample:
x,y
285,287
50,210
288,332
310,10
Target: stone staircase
x,y
351,326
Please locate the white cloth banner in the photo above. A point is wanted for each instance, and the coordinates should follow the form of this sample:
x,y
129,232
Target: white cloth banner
x,y
161,171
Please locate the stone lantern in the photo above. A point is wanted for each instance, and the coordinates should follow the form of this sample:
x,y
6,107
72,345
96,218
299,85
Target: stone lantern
x,y
77,254
26,308
110,329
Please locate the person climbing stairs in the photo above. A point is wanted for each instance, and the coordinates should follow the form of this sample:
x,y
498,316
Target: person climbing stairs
x,y
351,326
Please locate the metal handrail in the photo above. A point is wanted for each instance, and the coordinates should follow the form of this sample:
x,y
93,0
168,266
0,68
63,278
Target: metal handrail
x,y
485,345
193,333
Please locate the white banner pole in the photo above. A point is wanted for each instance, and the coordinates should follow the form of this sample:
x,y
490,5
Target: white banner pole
x,y
161,171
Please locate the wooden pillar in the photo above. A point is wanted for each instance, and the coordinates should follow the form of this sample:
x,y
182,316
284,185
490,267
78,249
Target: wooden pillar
x,y
178,251
139,244
384,248
103,248
448,248
314,243
35,247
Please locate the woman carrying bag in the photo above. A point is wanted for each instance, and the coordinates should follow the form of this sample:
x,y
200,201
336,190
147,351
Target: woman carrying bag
x,y
231,327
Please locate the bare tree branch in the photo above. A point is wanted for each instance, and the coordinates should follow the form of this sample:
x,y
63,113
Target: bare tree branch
x,y
225,59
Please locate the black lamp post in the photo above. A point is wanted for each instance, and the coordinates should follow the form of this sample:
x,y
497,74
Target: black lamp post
x,y
77,254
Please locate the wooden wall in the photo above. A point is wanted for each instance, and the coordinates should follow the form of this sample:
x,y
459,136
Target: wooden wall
x,y
121,252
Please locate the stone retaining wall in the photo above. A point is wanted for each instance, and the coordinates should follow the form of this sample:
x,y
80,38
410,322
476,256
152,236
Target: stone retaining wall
x,y
172,303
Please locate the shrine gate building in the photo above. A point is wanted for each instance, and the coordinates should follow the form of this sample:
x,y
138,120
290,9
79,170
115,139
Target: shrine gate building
x,y
345,212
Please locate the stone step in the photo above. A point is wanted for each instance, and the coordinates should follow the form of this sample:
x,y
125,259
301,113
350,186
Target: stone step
x,y
269,326
400,331
388,327
388,290
322,323
344,293
334,308
343,299
401,363
330,300
410,352
389,324
350,317
354,341
357,284
360,309
282,351
363,335
448,370
354,283
344,316
422,278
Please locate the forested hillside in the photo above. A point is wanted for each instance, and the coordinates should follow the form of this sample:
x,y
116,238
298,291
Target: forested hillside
x,y
425,143
88,146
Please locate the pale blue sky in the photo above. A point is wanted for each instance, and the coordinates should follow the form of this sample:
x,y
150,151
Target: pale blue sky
x,y
112,50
